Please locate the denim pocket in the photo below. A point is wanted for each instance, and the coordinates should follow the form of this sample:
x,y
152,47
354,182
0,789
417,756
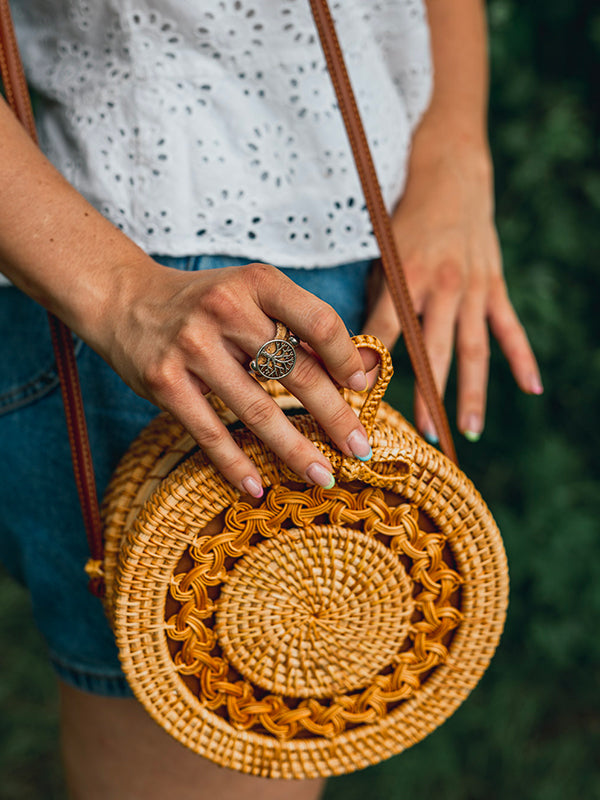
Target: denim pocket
x,y
27,365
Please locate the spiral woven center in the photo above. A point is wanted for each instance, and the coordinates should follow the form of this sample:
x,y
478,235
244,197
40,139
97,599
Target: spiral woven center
x,y
314,612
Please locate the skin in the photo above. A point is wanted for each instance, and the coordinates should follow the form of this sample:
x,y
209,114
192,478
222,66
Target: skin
x,y
172,336
444,227
113,751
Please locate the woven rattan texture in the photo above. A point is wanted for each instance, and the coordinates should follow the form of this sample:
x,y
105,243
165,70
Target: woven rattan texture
x,y
313,612
410,652
240,622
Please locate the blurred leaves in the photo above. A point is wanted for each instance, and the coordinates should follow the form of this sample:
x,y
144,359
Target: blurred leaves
x,y
29,758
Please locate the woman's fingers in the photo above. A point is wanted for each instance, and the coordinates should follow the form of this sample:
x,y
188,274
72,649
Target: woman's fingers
x,y
258,411
218,357
310,379
511,336
439,321
248,400
185,401
472,348
312,321
309,382
217,323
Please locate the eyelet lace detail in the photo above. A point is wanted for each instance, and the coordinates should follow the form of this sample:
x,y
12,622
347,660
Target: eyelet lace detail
x,y
214,128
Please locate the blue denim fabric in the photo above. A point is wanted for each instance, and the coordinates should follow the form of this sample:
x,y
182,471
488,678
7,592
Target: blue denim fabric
x,y
42,540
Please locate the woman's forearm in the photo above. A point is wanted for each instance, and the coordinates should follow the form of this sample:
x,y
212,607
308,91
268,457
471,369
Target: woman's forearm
x,y
53,244
457,113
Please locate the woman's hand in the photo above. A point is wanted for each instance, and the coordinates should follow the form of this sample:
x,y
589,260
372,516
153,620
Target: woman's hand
x,y
444,226
173,336
445,233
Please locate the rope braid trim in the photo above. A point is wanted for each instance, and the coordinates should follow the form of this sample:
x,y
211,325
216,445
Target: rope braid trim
x,y
272,714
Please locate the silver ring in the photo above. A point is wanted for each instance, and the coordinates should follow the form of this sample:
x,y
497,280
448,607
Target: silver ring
x,y
277,357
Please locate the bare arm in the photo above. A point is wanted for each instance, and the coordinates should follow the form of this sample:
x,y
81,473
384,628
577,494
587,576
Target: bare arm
x,y
458,105
444,226
174,335
53,244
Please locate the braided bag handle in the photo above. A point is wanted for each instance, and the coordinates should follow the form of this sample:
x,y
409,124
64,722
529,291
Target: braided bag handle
x,y
15,87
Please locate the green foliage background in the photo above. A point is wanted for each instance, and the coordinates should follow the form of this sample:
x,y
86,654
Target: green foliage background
x,y
531,730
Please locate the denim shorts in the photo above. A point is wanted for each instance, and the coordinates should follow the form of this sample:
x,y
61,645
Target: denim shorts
x,y
42,540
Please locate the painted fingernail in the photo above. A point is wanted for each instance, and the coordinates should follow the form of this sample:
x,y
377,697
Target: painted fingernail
x,y
431,437
321,476
358,382
472,430
359,445
535,385
253,487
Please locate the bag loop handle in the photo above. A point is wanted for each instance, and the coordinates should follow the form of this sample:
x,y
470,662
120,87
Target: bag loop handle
x,y
368,412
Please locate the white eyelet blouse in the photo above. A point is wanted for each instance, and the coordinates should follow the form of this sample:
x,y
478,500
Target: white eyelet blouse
x,y
211,126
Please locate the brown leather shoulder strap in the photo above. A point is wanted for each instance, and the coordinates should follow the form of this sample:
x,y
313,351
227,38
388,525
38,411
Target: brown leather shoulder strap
x,y
11,69
381,224
17,96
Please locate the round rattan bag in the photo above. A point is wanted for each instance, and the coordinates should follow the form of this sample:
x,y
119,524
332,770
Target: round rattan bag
x,y
315,631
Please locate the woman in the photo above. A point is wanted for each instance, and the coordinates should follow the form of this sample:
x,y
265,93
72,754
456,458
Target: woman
x,y
210,138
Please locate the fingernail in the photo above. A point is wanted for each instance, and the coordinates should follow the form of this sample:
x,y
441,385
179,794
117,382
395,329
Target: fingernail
x,y
472,429
359,445
535,385
253,487
358,382
431,437
321,476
